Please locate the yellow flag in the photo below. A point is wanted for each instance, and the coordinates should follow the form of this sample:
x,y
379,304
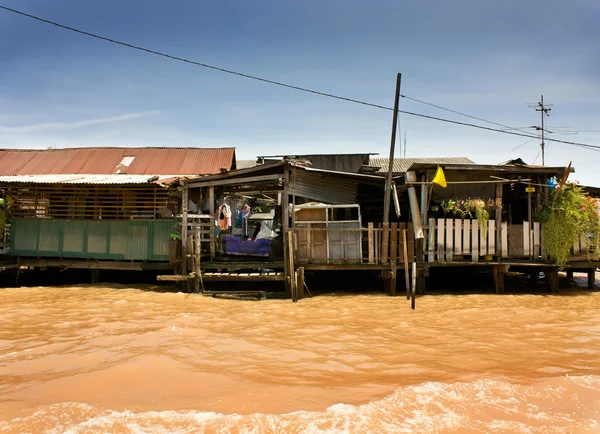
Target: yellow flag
x,y
439,178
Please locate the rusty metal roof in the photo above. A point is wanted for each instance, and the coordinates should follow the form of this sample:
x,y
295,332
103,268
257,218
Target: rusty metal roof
x,y
86,179
107,161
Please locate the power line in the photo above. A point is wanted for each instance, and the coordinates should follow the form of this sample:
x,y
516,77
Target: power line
x,y
457,112
278,83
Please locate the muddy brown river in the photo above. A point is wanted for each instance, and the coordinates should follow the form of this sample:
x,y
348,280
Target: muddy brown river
x,y
112,358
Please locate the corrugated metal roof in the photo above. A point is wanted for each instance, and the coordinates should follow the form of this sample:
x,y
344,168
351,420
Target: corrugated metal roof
x,y
244,164
106,161
86,179
401,165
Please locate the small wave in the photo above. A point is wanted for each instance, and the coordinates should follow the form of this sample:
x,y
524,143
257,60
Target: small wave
x,y
560,404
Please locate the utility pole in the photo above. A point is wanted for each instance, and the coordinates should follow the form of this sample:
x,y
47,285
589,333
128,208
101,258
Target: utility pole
x,y
388,182
544,110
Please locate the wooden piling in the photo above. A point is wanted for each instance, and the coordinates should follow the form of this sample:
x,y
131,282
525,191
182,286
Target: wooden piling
x,y
552,278
406,275
198,278
413,299
300,286
385,242
591,278
498,272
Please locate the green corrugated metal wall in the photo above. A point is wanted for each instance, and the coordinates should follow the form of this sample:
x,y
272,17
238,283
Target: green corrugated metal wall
x,y
146,240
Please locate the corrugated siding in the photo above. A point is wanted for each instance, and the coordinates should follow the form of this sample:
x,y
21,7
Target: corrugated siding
x,y
143,240
323,188
105,161
401,165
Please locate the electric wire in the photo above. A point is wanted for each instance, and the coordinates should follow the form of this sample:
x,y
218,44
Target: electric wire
x,y
289,86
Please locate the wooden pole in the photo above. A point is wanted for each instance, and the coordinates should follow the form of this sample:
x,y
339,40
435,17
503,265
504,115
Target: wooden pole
x,y
291,271
184,231
301,284
198,284
211,207
388,181
284,230
591,278
406,275
529,222
413,298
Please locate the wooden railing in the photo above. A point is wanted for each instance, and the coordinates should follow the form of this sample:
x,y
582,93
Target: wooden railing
x,y
380,243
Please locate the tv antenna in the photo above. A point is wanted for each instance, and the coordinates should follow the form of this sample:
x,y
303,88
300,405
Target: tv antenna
x,y
544,109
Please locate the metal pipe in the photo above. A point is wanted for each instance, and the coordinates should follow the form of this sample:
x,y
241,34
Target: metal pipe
x,y
414,205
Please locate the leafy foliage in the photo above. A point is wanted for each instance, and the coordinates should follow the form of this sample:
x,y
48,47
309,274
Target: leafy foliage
x,y
571,214
472,207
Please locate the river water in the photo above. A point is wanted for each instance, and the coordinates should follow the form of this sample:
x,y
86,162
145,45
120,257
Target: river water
x,y
95,359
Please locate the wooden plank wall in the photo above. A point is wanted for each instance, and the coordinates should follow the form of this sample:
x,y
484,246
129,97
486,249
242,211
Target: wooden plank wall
x,y
450,240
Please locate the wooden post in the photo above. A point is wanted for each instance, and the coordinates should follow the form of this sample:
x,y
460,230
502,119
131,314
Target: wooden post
x,y
529,220
552,278
385,242
413,302
394,243
371,243
211,207
405,251
591,277
287,253
393,272
184,231
388,181
197,254
569,276
498,272
498,222
95,276
300,285
291,270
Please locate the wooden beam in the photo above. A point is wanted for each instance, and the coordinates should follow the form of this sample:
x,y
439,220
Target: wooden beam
x,y
233,181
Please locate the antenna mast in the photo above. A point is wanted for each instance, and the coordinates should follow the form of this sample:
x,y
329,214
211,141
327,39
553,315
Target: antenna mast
x,y
544,110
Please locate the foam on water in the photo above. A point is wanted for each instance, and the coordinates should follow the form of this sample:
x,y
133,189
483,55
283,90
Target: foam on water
x,y
555,405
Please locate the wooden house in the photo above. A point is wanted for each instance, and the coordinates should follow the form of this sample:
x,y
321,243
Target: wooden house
x,y
98,208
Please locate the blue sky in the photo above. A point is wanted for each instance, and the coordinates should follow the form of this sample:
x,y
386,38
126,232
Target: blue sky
x,y
487,59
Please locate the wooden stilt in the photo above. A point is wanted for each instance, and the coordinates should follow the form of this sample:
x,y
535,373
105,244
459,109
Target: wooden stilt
x,y
301,284
498,272
534,276
405,251
413,299
94,276
290,261
591,275
569,276
552,279
393,273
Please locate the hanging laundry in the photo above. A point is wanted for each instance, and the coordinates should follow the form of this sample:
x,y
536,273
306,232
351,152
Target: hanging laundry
x,y
224,217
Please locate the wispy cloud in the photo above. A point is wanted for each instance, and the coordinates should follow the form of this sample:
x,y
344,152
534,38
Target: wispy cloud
x,y
59,126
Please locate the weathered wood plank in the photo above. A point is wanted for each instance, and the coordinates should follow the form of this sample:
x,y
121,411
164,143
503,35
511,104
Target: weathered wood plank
x,y
449,240
504,239
394,242
441,231
385,242
491,250
526,239
466,237
458,235
536,239
474,241
431,246
370,237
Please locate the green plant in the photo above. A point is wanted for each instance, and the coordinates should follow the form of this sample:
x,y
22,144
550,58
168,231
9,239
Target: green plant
x,y
472,207
572,213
